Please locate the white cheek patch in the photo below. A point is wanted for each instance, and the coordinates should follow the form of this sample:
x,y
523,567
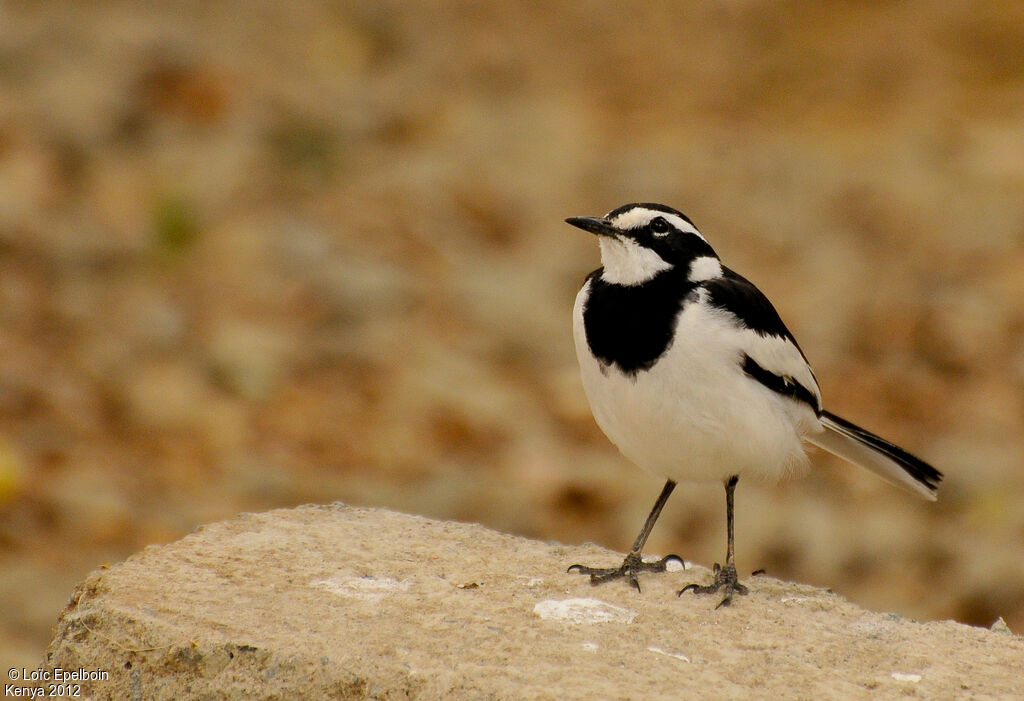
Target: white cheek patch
x,y
628,263
705,268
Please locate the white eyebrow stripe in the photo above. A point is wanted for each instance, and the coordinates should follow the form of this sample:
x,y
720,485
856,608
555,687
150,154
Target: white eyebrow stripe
x,y
641,216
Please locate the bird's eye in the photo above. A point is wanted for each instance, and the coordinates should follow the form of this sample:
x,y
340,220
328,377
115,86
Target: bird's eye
x,y
659,226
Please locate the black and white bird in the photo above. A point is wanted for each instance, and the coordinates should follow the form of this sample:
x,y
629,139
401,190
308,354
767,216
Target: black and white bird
x,y
691,373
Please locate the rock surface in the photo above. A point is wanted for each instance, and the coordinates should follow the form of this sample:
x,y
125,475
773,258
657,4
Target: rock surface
x,y
351,603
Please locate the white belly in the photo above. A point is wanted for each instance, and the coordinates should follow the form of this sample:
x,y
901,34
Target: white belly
x,y
695,416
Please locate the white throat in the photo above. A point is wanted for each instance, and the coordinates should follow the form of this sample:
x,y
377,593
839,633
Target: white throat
x,y
628,263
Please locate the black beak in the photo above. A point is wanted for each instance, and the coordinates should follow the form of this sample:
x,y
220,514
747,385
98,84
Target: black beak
x,y
595,225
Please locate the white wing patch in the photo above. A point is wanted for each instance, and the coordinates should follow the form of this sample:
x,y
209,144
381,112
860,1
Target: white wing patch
x,y
780,357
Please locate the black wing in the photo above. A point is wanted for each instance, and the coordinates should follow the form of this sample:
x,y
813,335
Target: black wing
x,y
779,369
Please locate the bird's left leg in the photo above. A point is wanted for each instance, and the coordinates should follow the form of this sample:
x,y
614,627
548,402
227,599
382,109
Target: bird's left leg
x,y
725,577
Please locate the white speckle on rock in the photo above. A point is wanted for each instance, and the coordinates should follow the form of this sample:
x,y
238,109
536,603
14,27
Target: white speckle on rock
x,y
365,588
675,655
906,677
583,610
874,628
590,647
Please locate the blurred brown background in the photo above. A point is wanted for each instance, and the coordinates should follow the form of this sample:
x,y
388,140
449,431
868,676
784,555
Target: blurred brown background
x,y
258,254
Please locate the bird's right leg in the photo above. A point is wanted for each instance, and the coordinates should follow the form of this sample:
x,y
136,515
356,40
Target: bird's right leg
x,y
634,563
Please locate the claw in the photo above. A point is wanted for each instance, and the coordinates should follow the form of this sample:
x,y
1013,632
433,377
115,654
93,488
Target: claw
x,y
725,578
674,558
631,566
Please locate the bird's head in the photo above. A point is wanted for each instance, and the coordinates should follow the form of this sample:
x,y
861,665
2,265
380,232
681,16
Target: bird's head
x,y
639,241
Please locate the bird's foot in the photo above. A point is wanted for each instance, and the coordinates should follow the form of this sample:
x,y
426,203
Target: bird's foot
x,y
725,578
631,567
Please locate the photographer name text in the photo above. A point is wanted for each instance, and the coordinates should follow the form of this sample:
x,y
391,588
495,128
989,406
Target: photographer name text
x,y
58,675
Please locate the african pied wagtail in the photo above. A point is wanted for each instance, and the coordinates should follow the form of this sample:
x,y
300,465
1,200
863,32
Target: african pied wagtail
x,y
691,373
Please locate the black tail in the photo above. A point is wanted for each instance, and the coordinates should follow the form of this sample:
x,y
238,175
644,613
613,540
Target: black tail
x,y
889,461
